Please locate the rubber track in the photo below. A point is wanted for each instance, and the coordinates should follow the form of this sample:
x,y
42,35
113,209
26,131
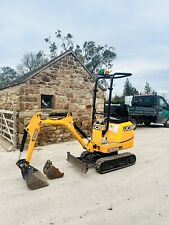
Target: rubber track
x,y
101,161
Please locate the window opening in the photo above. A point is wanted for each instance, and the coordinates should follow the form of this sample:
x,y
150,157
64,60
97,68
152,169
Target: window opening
x,y
46,101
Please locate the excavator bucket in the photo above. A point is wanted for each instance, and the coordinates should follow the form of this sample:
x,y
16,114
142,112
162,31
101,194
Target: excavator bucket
x,y
33,177
51,171
82,166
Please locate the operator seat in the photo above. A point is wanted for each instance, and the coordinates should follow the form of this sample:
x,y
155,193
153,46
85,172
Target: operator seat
x,y
118,114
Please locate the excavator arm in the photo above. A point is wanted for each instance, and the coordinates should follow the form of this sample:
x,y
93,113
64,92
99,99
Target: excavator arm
x,y
34,178
34,127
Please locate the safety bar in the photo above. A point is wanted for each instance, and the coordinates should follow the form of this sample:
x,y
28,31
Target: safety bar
x,y
110,77
114,76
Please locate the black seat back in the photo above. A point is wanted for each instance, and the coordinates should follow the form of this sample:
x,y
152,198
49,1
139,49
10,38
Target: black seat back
x,y
120,112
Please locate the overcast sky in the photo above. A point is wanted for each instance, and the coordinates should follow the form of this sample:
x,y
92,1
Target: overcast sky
x,y
138,29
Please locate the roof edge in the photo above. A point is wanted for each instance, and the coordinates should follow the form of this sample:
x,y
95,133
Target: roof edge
x,y
49,64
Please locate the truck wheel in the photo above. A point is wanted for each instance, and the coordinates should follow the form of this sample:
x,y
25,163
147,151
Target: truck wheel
x,y
147,124
134,122
166,124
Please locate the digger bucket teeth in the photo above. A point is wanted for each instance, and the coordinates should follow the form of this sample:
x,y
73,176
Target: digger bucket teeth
x,y
83,166
51,171
33,177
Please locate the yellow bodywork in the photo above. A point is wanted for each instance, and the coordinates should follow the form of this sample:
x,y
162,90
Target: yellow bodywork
x,y
118,137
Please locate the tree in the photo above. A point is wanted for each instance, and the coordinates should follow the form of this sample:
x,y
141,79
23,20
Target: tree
x,y
129,89
118,99
93,56
66,43
147,88
31,61
96,56
7,74
135,91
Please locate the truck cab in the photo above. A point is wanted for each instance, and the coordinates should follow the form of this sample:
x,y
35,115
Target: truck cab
x,y
148,109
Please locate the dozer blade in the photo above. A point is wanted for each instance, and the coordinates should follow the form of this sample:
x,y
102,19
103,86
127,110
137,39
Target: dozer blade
x,y
51,171
33,177
77,162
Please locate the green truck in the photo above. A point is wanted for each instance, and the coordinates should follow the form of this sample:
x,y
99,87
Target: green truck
x,y
147,109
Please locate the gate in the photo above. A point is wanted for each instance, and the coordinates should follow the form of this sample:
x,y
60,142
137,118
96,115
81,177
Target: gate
x,y
8,126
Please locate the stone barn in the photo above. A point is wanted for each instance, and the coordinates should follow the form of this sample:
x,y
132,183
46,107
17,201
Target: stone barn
x,y
62,85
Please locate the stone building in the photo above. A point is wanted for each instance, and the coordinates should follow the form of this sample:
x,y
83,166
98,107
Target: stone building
x,y
62,85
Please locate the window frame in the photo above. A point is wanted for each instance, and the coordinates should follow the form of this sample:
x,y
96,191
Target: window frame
x,y
164,105
44,97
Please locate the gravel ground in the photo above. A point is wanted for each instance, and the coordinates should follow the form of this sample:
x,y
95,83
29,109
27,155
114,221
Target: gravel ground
x,y
135,195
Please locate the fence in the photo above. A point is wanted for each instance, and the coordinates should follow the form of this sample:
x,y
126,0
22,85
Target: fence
x,y
8,127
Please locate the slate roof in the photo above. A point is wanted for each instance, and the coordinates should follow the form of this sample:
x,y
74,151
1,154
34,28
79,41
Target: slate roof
x,y
26,77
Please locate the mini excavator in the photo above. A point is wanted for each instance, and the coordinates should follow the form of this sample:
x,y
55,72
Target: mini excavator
x,y
111,132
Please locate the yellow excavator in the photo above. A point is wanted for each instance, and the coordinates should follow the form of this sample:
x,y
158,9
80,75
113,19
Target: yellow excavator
x,y
111,132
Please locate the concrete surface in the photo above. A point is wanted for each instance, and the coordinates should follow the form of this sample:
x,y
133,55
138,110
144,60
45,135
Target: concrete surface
x,y
135,195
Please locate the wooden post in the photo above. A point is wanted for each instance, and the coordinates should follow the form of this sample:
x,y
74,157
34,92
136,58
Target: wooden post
x,y
14,129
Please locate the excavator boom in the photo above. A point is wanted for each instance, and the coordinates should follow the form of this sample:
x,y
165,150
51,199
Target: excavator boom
x,y
33,177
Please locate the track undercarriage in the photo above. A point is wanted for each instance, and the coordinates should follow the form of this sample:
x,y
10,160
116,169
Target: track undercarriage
x,y
103,163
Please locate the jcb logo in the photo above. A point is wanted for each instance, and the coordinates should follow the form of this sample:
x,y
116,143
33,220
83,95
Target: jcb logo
x,y
35,134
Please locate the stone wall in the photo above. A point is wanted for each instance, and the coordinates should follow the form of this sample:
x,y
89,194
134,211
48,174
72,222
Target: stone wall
x,y
71,87
10,98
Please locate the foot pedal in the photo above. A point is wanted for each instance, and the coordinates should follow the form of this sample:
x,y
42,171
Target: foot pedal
x,y
51,171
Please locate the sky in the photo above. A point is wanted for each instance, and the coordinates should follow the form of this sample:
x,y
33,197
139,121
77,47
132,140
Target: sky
x,y
137,29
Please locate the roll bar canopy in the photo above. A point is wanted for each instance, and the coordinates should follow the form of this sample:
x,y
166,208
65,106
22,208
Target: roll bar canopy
x,y
110,77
